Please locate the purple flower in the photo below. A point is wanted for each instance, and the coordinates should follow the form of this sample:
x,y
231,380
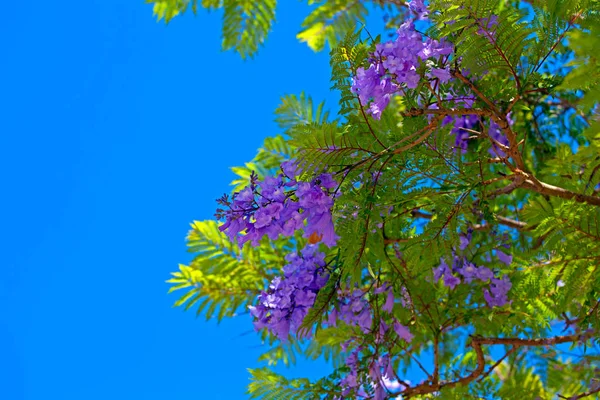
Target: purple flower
x,y
380,393
465,239
451,281
282,308
326,181
441,270
462,125
305,298
267,208
469,271
349,380
332,317
322,225
494,301
388,366
503,257
290,169
418,8
484,273
443,74
265,215
395,64
375,371
444,271
365,320
389,302
433,48
496,296
403,332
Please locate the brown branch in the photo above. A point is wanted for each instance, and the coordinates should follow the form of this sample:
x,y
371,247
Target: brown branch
x,y
437,96
415,112
371,131
420,214
479,371
582,395
529,181
493,367
475,90
425,388
513,150
500,52
398,3
560,38
569,322
495,160
534,342
511,223
436,360
428,131
544,188
499,118
515,184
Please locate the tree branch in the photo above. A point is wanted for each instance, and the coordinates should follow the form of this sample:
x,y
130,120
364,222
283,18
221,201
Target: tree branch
x,y
493,367
561,37
582,395
534,342
511,223
479,372
551,190
499,118
414,112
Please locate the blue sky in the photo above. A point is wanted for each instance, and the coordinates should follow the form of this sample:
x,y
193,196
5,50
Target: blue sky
x,y
116,133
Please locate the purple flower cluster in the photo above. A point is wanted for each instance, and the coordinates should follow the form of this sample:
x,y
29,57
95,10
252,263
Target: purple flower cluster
x,y
282,308
382,377
381,371
350,381
353,309
496,295
281,205
418,8
394,64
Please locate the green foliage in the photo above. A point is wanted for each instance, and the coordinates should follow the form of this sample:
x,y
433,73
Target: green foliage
x,y
482,52
167,9
299,111
246,24
344,60
275,150
585,75
407,198
222,279
267,385
330,22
